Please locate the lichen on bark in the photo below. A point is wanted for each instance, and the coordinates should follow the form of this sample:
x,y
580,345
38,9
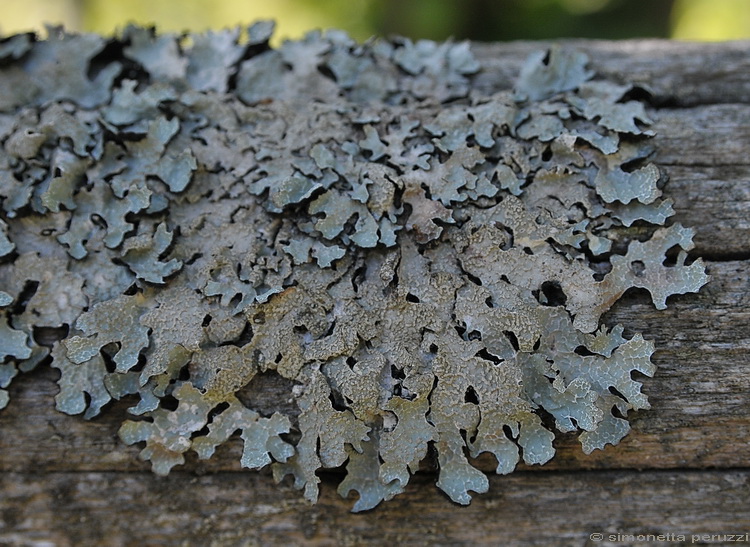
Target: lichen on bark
x,y
426,263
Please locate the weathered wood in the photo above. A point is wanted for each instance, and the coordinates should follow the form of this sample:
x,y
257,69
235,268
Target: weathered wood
x,y
65,481
715,201
677,73
703,136
120,509
703,151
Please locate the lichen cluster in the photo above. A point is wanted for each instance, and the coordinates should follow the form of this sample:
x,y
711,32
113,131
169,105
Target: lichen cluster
x,y
425,264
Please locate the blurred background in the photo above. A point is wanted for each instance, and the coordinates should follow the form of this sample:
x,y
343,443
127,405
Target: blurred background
x,y
485,20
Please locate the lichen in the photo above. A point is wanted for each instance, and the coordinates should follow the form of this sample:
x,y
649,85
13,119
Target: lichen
x,y
425,263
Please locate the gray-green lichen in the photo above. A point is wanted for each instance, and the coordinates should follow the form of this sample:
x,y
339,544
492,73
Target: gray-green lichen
x,y
426,264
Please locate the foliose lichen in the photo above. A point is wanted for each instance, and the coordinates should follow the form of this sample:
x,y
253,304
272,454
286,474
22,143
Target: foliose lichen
x,y
426,264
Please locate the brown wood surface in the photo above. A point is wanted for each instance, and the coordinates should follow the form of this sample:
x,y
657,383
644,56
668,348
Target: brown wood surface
x,y
564,508
684,469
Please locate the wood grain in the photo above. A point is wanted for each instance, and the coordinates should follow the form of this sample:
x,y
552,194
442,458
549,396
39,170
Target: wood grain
x,y
122,509
674,73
